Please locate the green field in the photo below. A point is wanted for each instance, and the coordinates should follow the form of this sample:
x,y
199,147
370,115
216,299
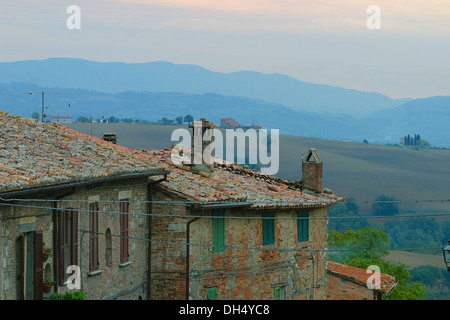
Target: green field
x,y
414,259
357,170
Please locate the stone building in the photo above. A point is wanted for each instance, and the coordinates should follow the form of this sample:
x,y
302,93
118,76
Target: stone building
x,y
350,283
69,193
235,233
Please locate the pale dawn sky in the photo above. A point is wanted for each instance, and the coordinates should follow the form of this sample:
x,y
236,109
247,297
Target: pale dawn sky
x,y
320,41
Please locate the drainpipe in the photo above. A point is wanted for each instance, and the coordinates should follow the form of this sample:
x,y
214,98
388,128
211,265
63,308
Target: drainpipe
x,y
149,248
188,253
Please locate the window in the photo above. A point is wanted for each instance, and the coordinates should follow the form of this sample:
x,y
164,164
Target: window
x,y
67,242
211,294
303,226
31,271
218,230
268,226
108,249
124,209
93,237
279,292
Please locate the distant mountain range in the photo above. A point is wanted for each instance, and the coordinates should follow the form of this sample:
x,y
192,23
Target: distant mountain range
x,y
114,77
429,117
155,90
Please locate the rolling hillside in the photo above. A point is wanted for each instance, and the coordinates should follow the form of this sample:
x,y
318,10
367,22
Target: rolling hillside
x,y
353,170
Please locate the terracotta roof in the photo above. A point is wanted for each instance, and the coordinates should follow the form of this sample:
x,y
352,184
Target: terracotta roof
x,y
387,282
233,183
34,154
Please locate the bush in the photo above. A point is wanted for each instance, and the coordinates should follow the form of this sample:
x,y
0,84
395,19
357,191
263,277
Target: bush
x,y
78,295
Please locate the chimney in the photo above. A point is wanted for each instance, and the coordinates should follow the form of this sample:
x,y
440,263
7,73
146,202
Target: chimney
x,y
202,132
312,171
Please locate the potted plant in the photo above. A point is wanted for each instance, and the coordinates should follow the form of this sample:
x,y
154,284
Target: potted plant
x,y
46,252
48,284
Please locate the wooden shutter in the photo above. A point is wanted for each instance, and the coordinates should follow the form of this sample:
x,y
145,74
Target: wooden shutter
x,y
60,230
93,238
38,268
211,294
218,230
74,238
268,228
124,209
21,275
277,293
303,226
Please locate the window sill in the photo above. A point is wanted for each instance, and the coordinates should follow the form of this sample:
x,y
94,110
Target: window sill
x,y
94,273
125,264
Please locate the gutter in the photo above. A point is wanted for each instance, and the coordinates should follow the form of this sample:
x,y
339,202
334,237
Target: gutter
x,y
19,193
188,231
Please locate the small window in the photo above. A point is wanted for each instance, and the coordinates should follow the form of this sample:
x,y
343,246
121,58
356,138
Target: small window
x,y
93,237
268,226
218,230
279,293
211,294
303,226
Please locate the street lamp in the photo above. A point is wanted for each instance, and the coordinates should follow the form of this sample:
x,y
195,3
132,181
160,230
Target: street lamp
x,y
446,251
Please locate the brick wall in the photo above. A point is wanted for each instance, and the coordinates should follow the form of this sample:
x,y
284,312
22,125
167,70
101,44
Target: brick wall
x,y
341,289
116,281
236,273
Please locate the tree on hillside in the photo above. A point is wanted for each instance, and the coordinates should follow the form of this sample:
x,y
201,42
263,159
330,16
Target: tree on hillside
x,y
384,205
179,119
188,119
83,119
35,115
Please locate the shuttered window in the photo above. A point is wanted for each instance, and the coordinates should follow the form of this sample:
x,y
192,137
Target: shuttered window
x,y
303,226
93,238
211,294
38,267
218,230
124,241
268,228
67,242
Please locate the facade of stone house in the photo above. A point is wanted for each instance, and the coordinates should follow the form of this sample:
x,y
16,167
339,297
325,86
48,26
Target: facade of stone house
x,y
81,197
234,233
350,283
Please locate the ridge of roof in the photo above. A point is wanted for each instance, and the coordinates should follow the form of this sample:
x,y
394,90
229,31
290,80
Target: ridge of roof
x,y
230,182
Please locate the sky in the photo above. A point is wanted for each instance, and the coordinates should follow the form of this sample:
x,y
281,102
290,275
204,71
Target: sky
x,y
320,41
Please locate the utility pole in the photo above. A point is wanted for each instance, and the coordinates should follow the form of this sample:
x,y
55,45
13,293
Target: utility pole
x,y
43,115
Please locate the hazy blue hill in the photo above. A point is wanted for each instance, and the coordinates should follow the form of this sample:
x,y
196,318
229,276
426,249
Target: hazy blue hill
x,y
113,77
429,117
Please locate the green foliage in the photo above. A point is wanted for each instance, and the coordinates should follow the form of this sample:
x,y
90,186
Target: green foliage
x,y
78,295
35,115
179,119
367,247
83,119
347,210
188,118
383,206
420,232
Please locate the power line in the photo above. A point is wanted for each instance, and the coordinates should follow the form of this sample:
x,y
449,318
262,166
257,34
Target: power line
x,y
230,217
260,248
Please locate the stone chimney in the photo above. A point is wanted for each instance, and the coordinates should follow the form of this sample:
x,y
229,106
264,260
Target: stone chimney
x,y
312,171
202,133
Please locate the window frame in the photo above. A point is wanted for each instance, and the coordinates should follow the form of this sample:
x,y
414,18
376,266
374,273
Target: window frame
x,y
268,228
303,226
218,230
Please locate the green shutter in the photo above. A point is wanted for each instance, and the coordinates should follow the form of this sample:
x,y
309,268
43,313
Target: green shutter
x,y
218,230
268,226
211,294
303,226
277,293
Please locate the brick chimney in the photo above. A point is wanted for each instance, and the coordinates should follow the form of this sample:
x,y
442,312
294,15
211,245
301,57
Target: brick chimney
x,y
312,171
201,139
